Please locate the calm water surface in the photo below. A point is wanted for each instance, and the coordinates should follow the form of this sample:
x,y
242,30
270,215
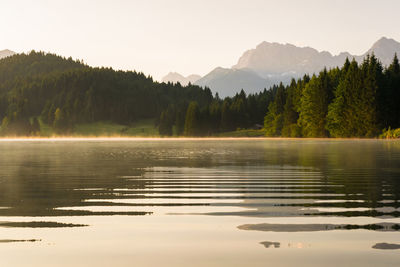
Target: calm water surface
x,y
200,203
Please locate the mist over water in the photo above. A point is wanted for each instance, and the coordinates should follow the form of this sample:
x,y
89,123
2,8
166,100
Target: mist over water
x,y
207,202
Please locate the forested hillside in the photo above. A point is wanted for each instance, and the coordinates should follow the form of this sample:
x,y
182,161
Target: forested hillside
x,y
356,100
63,93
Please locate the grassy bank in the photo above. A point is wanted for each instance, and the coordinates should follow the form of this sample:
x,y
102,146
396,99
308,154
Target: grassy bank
x,y
243,133
391,134
146,128
143,128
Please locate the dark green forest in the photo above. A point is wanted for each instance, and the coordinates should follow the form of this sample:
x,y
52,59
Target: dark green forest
x,y
63,93
356,100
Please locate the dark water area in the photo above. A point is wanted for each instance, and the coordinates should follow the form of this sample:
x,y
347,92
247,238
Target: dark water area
x,y
207,202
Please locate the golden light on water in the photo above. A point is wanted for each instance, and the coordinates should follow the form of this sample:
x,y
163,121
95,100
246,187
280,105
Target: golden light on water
x,y
119,138
109,203
138,138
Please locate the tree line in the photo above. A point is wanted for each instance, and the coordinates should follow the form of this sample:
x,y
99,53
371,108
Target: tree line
x,y
62,93
356,100
218,115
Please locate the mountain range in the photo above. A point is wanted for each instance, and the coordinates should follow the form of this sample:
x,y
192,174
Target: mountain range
x,y
6,53
175,77
272,63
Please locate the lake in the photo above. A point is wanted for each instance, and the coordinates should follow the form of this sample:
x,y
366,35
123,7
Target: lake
x,y
166,202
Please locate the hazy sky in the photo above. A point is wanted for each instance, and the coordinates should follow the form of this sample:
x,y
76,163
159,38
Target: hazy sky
x,y
158,36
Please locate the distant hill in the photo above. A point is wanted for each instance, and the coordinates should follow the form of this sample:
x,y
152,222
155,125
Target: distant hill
x,y
227,80
63,93
34,64
175,77
384,49
271,63
6,53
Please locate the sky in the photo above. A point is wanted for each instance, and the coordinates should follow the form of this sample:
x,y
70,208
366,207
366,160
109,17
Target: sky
x,y
190,37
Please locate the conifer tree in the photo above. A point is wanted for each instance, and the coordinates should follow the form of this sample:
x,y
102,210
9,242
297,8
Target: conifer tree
x,y
389,97
165,124
35,128
290,114
192,120
61,123
226,116
273,121
342,116
367,107
50,114
314,105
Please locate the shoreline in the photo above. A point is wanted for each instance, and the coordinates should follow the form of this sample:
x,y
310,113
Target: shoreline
x,y
138,138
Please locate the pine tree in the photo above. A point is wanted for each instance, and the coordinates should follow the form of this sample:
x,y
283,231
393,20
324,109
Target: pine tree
x,y
314,105
367,108
192,120
290,114
389,97
226,116
61,123
45,112
50,114
215,115
342,119
273,121
180,117
239,112
165,124
35,128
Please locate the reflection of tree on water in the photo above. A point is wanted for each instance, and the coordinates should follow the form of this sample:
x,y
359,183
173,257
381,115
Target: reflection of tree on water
x,y
386,246
18,241
277,177
34,184
362,170
268,244
40,224
268,227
